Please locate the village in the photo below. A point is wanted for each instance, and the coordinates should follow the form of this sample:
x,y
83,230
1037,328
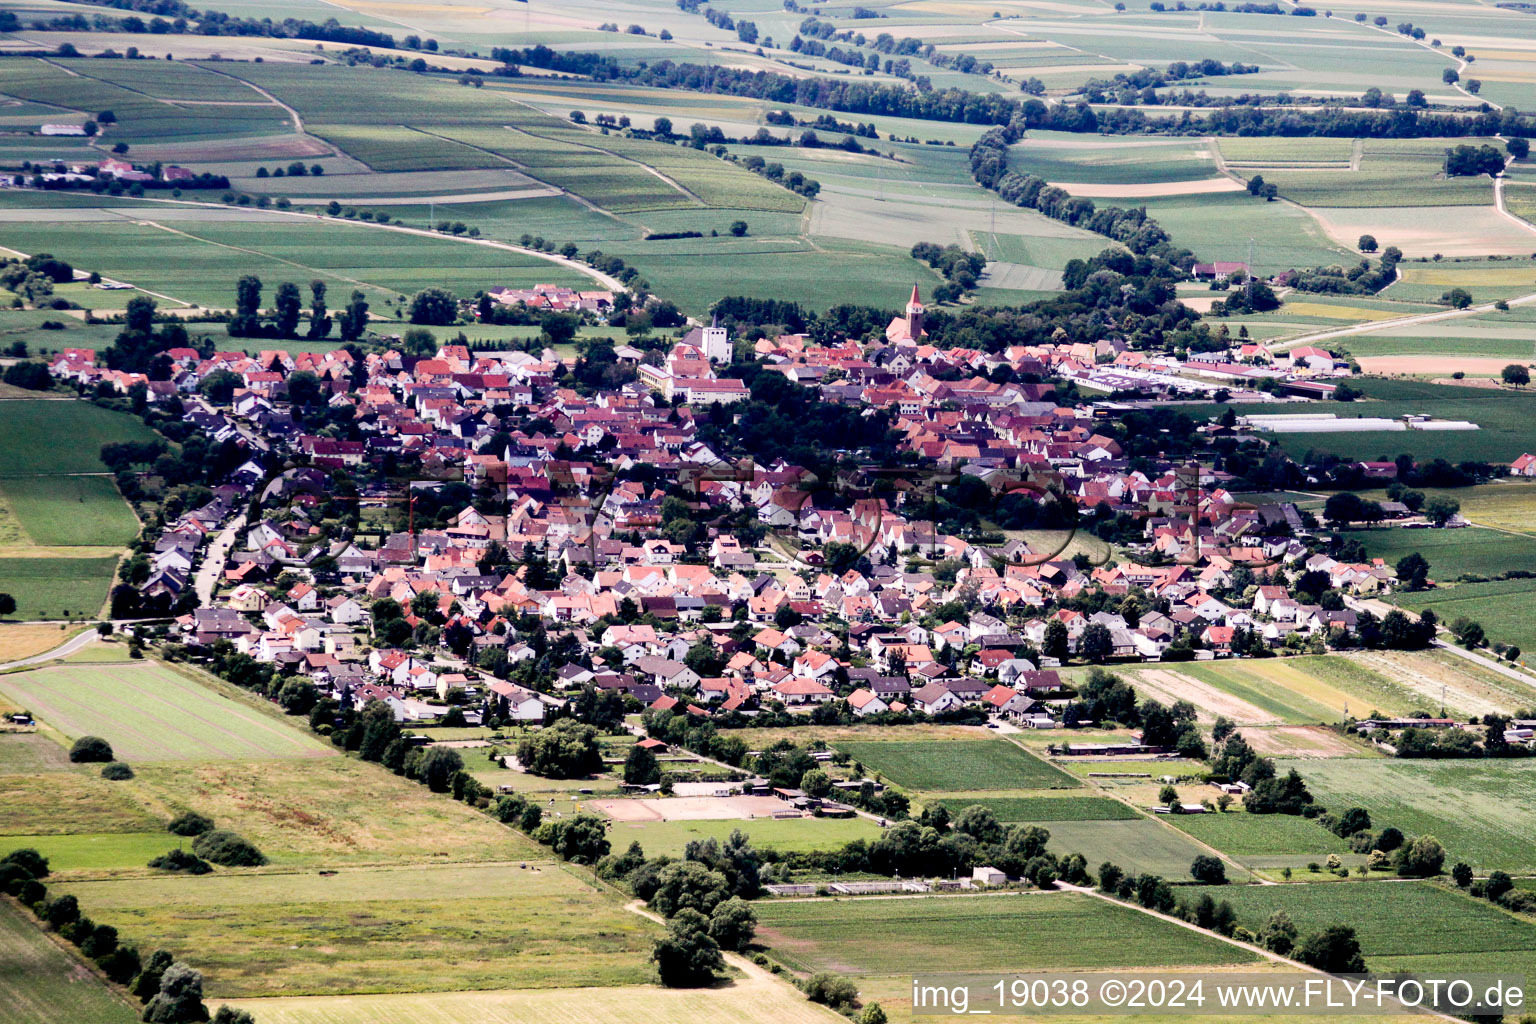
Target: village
x,y
678,576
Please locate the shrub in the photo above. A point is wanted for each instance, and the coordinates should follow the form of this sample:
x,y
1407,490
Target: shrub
x,y
833,990
228,849
190,824
28,860
116,771
182,861
89,749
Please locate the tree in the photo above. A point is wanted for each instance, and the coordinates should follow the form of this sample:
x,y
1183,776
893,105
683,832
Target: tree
x,y
1055,642
816,783
89,749
688,885
1413,572
1208,870
565,750
1440,509
1467,632
1278,934
438,767
1367,243
229,1015
1421,858
662,126
686,957
1461,874
148,982
738,228
180,999
7,604
286,308
247,319
1457,298
1334,949
354,320
1096,644
640,768
298,696
980,823
1516,375
28,861
319,321
733,924
1345,507
436,306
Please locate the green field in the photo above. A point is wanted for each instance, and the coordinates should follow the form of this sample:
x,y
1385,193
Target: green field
x,y
1401,926
965,765
1114,164
978,934
104,851
57,588
441,928
150,713
31,430
1395,172
1507,422
1043,808
42,984
790,835
1506,608
70,511
1479,810
1139,846
1263,840
1474,549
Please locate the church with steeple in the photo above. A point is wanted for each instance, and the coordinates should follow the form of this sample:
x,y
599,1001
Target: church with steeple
x,y
909,327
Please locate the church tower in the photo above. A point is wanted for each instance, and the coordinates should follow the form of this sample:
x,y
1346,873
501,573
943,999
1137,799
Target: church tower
x,y
717,343
915,315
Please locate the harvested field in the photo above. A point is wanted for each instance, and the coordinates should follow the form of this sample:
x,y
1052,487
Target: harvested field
x,y
1198,187
1419,366
1302,741
1467,690
1423,231
25,640
1167,687
755,998
690,808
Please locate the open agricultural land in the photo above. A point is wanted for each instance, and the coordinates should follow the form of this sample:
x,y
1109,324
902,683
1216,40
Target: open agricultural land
x,y
1066,189
63,523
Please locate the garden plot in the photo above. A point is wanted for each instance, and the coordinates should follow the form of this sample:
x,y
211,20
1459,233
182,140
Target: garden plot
x,y
1167,687
691,808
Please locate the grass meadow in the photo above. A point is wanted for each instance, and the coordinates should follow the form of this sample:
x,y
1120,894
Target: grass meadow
x,y
965,765
445,928
71,802
97,852
40,983
148,712
1479,810
1051,931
